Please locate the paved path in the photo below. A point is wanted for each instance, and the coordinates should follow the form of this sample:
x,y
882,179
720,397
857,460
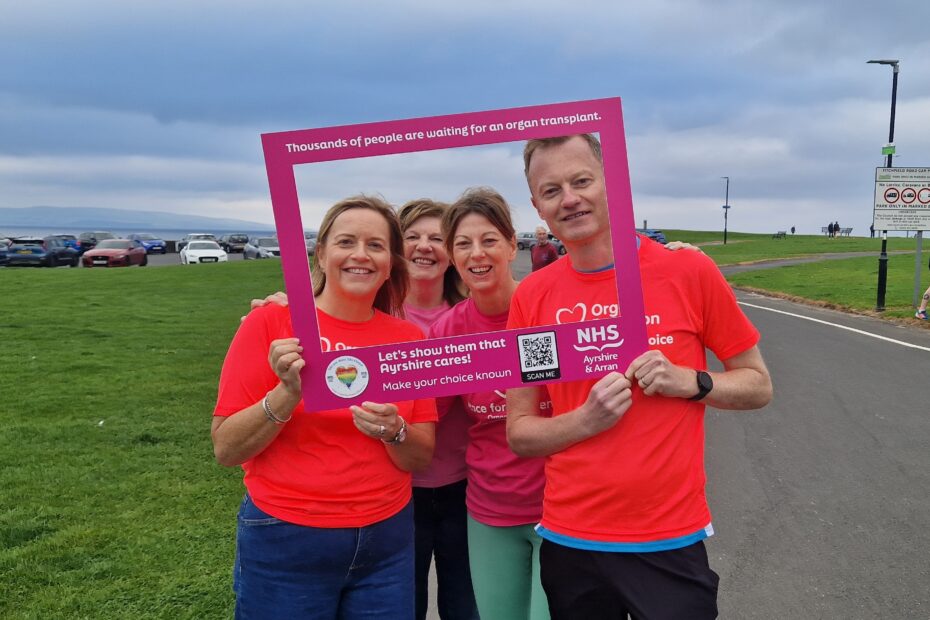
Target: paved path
x,y
785,262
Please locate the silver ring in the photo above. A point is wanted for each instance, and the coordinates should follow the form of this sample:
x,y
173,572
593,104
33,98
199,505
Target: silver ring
x,y
643,384
381,431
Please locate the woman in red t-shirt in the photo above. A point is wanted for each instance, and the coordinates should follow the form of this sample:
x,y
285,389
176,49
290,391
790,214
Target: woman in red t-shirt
x,y
326,528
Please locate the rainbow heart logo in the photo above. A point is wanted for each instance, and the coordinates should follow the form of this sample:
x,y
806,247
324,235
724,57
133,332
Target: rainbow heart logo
x,y
347,375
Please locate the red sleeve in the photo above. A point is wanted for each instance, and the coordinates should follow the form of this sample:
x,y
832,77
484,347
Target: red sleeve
x,y
246,376
424,410
726,330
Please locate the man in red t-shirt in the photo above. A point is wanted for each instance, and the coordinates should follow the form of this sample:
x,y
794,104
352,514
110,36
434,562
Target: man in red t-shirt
x,y
543,252
624,514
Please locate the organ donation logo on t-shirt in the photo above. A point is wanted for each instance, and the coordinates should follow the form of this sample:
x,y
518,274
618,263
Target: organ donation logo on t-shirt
x,y
346,376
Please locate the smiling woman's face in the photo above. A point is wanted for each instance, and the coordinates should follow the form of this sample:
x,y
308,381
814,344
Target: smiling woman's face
x,y
424,249
482,254
356,257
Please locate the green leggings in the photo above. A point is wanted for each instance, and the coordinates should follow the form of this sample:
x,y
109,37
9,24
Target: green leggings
x,y
505,572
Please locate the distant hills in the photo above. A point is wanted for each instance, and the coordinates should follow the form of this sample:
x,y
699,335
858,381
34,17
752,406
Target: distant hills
x,y
75,218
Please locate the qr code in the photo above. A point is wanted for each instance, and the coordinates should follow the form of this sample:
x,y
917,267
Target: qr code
x,y
538,351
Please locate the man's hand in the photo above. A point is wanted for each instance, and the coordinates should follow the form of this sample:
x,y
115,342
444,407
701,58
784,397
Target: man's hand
x,y
275,298
655,375
607,401
682,245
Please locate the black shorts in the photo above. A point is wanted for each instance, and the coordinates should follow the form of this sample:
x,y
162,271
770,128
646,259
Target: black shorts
x,y
591,585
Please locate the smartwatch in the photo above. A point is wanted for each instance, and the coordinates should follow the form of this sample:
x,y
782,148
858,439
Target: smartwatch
x,y
704,384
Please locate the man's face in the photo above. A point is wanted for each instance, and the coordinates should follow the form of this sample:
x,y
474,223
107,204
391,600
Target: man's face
x,y
542,237
567,188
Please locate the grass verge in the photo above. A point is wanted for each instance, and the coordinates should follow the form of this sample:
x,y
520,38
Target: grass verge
x,y
114,506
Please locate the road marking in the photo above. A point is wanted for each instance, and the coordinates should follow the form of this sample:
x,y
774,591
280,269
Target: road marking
x,y
851,329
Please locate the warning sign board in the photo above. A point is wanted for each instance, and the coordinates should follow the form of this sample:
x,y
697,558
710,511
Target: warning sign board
x,y
902,199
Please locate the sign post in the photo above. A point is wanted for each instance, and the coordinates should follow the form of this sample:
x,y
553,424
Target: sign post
x,y
902,202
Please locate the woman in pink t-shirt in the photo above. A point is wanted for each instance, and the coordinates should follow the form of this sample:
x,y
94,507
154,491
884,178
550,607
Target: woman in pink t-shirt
x,y
504,493
440,527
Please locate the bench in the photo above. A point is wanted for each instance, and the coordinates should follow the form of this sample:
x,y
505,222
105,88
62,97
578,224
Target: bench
x,y
845,232
780,234
824,230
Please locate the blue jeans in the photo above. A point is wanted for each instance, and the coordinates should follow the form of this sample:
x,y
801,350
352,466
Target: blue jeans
x,y
441,528
296,572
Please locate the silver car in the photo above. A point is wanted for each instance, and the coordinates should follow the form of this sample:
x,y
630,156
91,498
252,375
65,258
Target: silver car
x,y
261,247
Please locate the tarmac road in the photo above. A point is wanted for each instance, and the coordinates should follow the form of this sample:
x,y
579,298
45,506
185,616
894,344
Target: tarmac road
x,y
820,501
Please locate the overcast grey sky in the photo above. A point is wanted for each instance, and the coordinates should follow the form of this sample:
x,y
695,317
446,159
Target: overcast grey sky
x,y
159,105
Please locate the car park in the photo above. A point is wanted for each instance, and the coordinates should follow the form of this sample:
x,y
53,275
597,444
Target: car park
x,y
116,253
652,233
151,243
199,251
41,252
194,236
526,240
261,247
234,243
89,240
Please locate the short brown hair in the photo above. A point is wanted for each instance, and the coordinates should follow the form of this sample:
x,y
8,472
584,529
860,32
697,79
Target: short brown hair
x,y
390,297
485,202
453,291
541,143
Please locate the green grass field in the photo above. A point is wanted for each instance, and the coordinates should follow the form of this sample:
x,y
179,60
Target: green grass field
x,y
746,247
113,506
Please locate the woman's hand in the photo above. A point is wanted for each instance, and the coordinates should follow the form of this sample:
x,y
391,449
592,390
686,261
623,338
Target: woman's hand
x,y
378,421
286,362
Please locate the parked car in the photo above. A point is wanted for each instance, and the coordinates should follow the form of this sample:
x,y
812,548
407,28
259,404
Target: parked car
x,y
310,239
44,252
151,243
4,254
526,240
203,252
652,233
116,253
71,241
234,243
191,237
559,247
89,240
261,247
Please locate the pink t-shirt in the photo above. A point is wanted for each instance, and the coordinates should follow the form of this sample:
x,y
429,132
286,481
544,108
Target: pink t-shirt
x,y
503,488
448,464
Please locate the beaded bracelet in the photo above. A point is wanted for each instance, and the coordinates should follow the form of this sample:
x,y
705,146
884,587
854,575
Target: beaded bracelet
x,y
270,414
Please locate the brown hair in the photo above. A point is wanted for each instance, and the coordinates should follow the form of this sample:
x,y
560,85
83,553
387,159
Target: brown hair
x,y
453,291
541,143
485,202
390,297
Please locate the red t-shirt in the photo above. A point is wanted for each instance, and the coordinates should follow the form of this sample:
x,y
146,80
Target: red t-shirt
x,y
320,470
642,480
503,488
542,255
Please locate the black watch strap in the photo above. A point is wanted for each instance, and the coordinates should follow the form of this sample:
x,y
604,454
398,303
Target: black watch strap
x,y
704,384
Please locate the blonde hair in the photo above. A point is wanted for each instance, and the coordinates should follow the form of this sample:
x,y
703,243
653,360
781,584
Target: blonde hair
x,y
453,290
391,295
541,143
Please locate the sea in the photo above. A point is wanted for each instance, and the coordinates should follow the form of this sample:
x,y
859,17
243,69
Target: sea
x,y
163,234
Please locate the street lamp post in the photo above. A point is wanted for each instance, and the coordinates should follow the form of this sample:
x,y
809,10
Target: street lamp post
x,y
883,257
726,209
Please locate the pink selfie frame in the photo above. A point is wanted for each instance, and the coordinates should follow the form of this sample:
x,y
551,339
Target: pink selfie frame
x,y
471,363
